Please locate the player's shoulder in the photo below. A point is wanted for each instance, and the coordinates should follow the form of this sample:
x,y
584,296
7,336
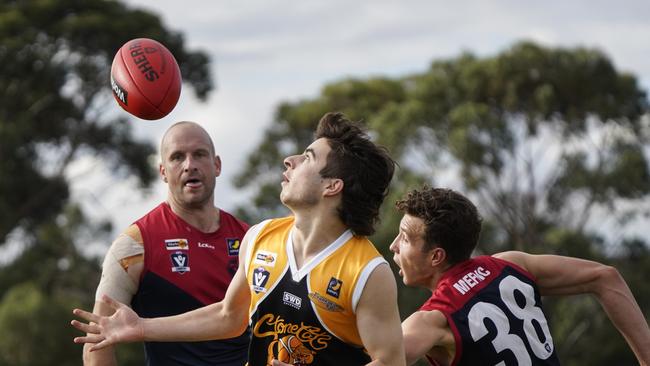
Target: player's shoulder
x,y
133,231
515,257
233,220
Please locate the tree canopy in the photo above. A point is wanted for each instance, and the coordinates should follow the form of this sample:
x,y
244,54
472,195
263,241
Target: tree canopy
x,y
57,107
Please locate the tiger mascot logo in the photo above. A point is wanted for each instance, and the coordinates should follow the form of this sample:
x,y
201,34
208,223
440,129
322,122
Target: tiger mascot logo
x,y
290,350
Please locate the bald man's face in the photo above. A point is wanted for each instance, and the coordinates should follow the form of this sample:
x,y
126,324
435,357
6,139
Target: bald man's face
x,y
189,166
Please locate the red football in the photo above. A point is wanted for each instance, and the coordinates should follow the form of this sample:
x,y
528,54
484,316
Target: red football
x,y
145,79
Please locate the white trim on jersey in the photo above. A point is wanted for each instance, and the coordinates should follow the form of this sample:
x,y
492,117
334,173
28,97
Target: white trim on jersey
x,y
363,278
298,274
255,230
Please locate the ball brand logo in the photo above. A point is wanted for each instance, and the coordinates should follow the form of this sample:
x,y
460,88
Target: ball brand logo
x,y
140,59
119,92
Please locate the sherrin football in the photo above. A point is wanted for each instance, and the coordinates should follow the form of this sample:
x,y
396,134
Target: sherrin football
x,y
145,79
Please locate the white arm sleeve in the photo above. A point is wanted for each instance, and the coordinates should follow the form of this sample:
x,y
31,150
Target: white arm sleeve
x,y
115,281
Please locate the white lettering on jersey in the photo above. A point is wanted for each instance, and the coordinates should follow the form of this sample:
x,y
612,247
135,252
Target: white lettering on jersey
x,y
471,279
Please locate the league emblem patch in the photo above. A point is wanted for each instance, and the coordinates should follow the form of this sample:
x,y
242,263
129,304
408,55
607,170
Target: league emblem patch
x,y
176,244
265,258
334,287
180,262
260,278
233,246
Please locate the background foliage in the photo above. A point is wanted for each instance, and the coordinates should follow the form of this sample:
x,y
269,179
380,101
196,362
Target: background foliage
x,y
551,143
55,59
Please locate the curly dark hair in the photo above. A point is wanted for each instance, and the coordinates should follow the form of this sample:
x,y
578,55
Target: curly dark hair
x,y
451,220
365,168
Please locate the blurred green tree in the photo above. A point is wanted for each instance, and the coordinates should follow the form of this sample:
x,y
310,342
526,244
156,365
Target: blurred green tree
x,y
550,143
55,59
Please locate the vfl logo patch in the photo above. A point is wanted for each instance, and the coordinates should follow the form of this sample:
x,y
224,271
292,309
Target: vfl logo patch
x,y
334,287
233,246
265,258
180,262
260,278
323,302
176,244
119,92
292,300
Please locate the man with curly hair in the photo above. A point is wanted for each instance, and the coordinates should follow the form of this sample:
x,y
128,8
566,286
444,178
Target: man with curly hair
x,y
487,310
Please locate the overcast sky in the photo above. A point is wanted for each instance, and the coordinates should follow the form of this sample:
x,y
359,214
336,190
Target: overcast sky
x,y
265,52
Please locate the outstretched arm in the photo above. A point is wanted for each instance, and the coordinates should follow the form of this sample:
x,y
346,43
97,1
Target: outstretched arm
x,y
224,319
558,275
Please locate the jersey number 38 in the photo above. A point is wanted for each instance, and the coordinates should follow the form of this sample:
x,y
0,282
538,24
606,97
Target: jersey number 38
x,y
528,312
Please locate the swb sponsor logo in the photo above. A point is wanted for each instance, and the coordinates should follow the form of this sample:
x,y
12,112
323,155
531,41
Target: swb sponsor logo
x,y
292,300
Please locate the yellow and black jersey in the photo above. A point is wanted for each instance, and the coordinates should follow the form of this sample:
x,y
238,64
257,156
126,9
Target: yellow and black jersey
x,y
306,316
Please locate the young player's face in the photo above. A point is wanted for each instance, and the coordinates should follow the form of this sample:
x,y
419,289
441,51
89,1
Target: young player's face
x,y
302,184
415,264
189,166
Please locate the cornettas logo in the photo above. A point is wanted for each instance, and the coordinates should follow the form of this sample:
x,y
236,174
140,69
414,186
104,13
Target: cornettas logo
x,y
271,326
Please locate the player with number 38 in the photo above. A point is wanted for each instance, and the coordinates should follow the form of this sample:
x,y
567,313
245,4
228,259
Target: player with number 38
x,y
487,310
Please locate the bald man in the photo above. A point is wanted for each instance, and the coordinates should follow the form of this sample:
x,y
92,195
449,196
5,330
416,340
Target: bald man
x,y
180,256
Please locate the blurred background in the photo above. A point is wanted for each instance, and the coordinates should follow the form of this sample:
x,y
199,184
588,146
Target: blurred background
x,y
538,112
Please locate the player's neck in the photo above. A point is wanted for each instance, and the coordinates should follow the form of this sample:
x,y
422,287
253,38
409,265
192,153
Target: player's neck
x,y
205,217
313,233
437,276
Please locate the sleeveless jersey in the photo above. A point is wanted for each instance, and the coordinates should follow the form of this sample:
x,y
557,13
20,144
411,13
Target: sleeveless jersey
x,y
185,269
306,316
494,311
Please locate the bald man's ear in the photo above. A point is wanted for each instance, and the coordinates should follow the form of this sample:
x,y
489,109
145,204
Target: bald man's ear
x,y
217,165
162,172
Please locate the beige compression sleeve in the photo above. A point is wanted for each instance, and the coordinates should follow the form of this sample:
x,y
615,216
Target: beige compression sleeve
x,y
116,281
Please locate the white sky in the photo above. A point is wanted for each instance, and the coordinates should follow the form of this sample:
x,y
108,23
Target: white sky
x,y
265,52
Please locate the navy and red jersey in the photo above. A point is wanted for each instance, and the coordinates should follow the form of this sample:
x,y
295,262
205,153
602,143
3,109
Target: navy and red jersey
x,y
185,269
494,311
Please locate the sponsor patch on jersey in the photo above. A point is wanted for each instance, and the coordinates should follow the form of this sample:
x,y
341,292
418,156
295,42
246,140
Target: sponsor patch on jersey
x,y
180,262
176,244
260,278
292,300
323,302
334,287
233,246
206,245
265,258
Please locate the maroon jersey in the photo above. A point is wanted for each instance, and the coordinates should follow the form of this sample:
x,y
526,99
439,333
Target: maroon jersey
x,y
494,311
185,269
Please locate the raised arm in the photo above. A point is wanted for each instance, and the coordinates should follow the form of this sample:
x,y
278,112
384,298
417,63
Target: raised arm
x,y
225,319
378,319
558,275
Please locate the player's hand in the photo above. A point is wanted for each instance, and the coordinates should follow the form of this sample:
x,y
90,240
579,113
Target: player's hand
x,y
123,326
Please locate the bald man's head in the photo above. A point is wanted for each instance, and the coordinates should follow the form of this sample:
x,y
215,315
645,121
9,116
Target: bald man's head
x,y
180,129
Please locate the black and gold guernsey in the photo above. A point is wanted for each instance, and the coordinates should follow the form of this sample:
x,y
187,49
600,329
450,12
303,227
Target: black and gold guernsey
x,y
306,316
